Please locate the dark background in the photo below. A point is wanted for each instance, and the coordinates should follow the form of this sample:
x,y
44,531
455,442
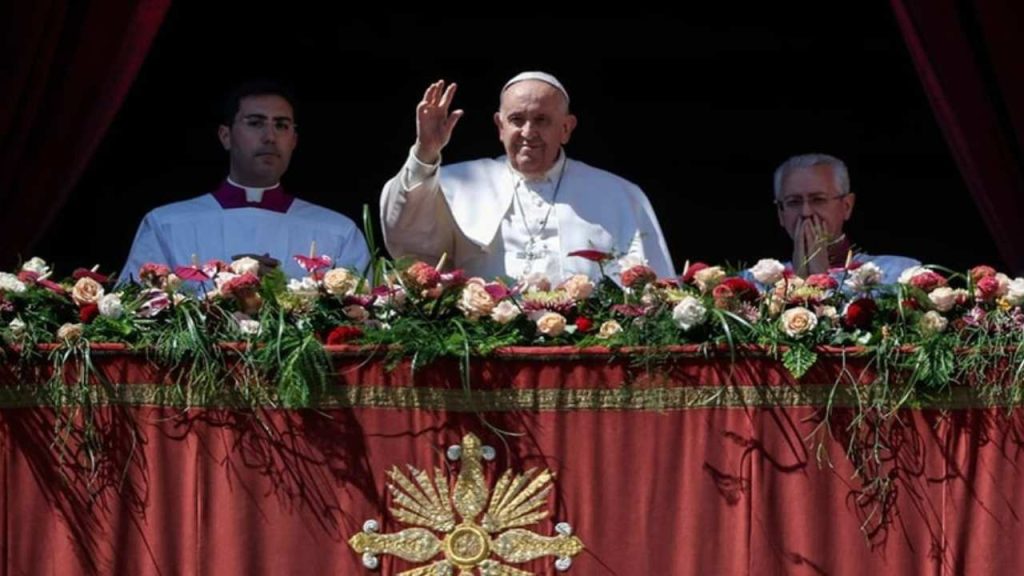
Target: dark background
x,y
698,108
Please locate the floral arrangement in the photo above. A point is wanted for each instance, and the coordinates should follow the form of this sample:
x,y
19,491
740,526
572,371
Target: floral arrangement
x,y
423,309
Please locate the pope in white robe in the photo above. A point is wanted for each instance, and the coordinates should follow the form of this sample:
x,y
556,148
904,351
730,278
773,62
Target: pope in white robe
x,y
519,214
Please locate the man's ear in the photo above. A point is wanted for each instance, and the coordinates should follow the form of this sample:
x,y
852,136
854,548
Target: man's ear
x,y
224,135
848,202
570,125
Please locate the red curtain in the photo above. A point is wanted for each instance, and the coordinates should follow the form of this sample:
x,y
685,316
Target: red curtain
x,y
67,67
651,481
967,54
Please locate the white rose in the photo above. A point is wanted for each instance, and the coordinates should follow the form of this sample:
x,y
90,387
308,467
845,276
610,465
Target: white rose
x,y
475,301
689,312
223,278
37,265
70,332
1004,284
10,283
828,312
864,277
932,323
303,286
246,325
943,298
17,328
551,324
110,306
340,282
578,287
505,312
534,282
797,322
1015,292
708,278
86,291
246,266
767,271
608,329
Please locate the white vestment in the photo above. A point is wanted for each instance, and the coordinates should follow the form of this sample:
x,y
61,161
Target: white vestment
x,y
493,222
200,226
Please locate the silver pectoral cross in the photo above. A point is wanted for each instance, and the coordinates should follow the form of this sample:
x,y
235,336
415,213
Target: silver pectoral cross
x,y
532,252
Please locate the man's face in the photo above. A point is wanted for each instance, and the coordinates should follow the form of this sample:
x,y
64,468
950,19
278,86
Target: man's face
x,y
533,123
260,140
811,194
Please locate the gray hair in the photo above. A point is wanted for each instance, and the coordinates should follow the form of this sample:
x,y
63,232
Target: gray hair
x,y
839,171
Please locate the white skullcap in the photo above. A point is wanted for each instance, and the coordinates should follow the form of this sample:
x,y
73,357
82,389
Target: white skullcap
x,y
542,76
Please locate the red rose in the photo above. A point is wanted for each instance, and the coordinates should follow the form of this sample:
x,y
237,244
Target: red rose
x,y
860,313
88,312
584,324
638,277
343,334
740,288
454,279
153,274
240,285
979,272
421,276
986,289
723,296
927,280
822,282
693,269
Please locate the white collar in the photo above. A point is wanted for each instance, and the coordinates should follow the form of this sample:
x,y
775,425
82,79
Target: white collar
x,y
252,195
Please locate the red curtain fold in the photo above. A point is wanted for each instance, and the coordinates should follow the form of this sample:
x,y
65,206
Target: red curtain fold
x,y
967,55
723,489
67,67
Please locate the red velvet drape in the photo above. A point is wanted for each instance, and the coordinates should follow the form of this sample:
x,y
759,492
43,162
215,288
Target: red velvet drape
x,y
650,486
967,54
67,66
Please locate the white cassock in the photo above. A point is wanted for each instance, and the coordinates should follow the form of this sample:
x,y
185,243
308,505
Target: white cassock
x,y
493,222
223,224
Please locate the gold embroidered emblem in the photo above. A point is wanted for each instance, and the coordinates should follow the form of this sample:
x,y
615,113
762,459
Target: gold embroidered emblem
x,y
479,530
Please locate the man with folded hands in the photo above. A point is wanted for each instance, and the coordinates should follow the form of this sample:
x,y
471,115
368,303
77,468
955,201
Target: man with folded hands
x,y
814,201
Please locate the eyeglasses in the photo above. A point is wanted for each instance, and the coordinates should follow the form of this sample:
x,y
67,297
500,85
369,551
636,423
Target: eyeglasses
x,y
796,203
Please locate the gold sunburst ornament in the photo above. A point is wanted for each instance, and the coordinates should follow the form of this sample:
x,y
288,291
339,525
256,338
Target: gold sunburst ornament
x,y
472,538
